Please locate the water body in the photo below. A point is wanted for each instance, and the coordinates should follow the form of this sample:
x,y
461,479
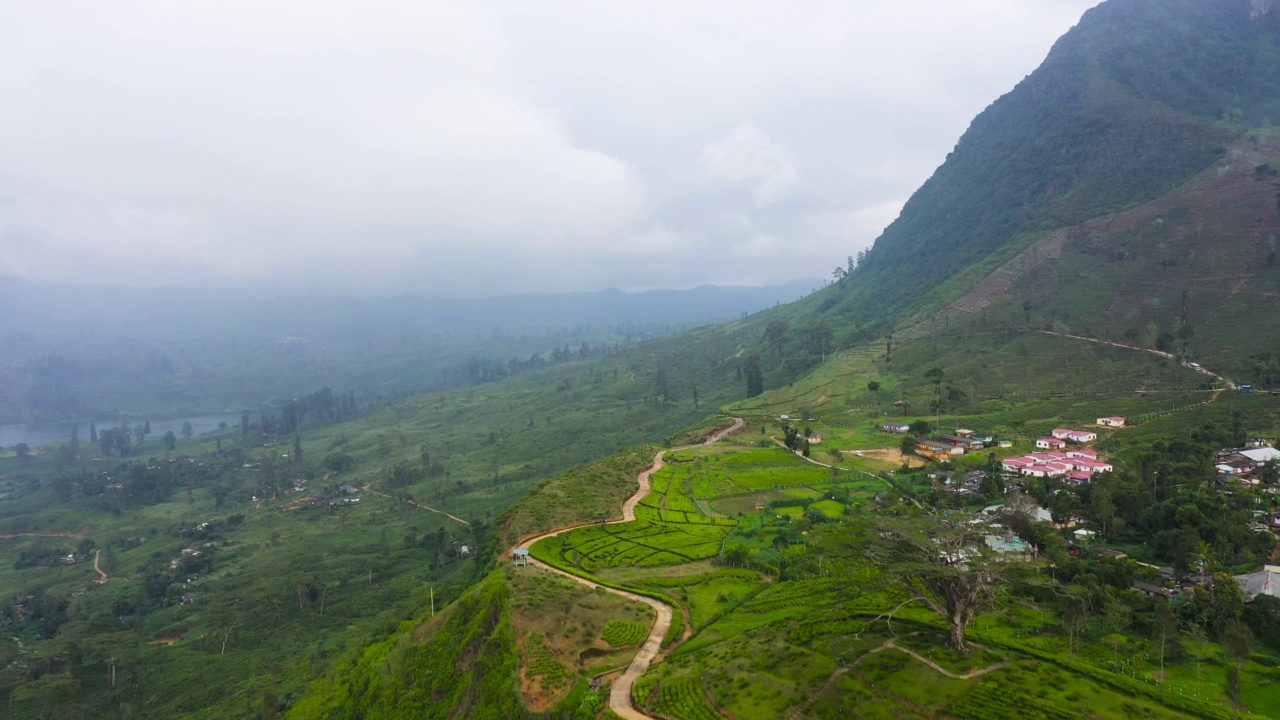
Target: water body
x,y
39,433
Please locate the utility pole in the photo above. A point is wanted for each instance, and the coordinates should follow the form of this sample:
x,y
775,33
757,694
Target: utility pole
x,y
433,601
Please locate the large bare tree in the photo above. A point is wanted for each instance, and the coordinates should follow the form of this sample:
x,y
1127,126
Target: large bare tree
x,y
944,564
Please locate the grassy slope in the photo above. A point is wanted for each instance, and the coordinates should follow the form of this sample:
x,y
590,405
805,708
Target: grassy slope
x,y
371,577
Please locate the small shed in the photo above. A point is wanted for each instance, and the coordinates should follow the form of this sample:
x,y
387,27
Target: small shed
x,y
520,556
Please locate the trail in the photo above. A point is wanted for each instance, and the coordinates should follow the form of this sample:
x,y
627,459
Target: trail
x,y
417,504
620,693
82,532
97,554
842,469
1170,356
890,645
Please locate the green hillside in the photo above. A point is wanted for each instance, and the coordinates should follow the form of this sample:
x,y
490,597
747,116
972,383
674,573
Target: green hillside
x,y
1138,98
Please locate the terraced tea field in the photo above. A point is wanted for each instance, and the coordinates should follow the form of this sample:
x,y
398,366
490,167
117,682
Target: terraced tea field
x,y
643,543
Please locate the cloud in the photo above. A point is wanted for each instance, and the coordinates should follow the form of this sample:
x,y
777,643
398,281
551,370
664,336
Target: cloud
x,y
390,146
748,155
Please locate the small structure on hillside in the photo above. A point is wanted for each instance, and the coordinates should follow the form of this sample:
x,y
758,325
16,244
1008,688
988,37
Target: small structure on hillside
x,y
1266,582
520,556
1050,443
1114,421
897,428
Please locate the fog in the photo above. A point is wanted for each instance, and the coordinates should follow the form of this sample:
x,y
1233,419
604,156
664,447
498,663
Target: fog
x,y
482,148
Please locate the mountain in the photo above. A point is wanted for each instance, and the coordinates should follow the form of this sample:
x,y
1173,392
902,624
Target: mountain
x,y
1141,98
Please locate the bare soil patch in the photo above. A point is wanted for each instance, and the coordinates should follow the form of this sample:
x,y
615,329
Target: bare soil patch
x,y
893,455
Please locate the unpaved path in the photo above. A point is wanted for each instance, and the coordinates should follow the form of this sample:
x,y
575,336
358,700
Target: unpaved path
x,y
417,504
798,710
620,693
97,554
1169,356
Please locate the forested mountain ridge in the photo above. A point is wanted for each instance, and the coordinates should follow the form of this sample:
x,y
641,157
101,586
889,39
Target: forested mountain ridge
x,y
1133,102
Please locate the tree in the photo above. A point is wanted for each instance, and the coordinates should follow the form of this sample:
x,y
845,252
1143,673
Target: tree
x,y
755,378
663,385
942,564
170,440
75,441
775,333
873,386
836,457
244,423
187,430
820,337
23,450
297,449
1239,642
920,428
139,434
146,426
93,432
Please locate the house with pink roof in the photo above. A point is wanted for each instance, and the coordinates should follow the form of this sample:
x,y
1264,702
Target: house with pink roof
x,y
1051,443
1061,433
1082,453
1092,466
1112,422
1016,465
1081,436
1080,476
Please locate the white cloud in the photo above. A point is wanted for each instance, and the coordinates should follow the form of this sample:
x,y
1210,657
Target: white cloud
x,y
395,145
748,155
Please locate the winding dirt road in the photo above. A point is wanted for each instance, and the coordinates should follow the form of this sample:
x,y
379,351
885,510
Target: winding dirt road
x,y
620,694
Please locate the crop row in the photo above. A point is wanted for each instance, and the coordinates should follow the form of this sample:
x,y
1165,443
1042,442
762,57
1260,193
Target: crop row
x,y
997,701
796,594
684,699
542,663
620,633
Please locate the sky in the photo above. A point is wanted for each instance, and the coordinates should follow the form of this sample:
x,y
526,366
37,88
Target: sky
x,y
482,147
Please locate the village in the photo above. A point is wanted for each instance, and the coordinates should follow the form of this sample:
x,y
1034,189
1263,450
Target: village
x,y
1065,454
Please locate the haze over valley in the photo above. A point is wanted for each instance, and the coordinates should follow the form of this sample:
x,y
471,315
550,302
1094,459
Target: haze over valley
x,y
640,360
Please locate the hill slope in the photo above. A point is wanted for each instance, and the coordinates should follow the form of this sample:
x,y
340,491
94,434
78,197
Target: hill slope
x,y
1136,100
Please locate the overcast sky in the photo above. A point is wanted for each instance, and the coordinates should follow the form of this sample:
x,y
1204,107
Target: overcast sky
x,y
483,147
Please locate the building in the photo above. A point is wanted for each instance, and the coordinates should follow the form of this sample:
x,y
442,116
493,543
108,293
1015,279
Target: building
x,y
967,443
814,439
1090,466
1154,590
1016,465
1266,582
937,450
1079,476
1263,455
1081,453
899,428
1051,443
1006,443
965,432
1081,437
1111,422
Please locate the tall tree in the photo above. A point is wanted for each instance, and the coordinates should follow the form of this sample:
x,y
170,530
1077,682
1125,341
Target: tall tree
x,y
942,564
775,333
755,378
22,450
297,449
187,430
170,440
93,432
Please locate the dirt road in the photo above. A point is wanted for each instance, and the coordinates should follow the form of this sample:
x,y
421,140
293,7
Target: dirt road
x,y
97,554
620,694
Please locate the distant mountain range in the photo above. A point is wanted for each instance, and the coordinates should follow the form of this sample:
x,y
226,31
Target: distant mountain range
x,y
173,312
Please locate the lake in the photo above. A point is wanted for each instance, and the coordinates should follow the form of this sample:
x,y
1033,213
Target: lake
x,y
40,433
